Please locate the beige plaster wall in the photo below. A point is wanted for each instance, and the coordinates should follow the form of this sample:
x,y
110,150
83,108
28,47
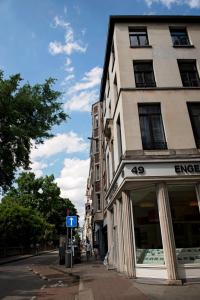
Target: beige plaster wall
x,y
175,116
163,54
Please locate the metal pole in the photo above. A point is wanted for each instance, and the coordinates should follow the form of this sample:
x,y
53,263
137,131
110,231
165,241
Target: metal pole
x,y
67,242
71,248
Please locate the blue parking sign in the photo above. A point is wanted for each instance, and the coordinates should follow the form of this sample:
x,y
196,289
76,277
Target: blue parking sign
x,y
71,221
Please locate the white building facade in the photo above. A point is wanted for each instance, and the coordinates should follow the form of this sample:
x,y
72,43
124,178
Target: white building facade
x,y
150,93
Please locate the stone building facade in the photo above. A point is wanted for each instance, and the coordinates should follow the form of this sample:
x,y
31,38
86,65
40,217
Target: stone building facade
x,y
150,160
96,180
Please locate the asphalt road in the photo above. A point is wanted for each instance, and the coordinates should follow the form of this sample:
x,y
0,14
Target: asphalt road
x,y
17,282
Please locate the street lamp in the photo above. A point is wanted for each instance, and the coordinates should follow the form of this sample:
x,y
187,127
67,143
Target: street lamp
x,y
93,139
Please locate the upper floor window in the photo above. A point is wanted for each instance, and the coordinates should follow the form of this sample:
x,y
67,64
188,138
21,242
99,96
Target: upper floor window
x,y
151,125
138,36
113,55
115,88
144,75
108,84
97,171
97,145
194,111
98,201
179,37
189,73
96,121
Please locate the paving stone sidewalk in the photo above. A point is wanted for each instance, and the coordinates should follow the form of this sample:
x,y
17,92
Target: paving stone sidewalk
x,y
92,281
86,281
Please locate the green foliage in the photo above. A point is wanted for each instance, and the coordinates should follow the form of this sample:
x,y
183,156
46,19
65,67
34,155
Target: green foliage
x,y
20,226
27,113
42,195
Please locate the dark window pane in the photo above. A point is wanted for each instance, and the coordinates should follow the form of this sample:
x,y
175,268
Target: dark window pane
x,y
189,74
145,130
143,40
151,126
138,37
194,111
186,223
144,76
134,40
179,37
147,227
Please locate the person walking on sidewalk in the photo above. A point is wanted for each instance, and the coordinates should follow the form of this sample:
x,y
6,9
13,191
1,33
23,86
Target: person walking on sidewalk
x,y
88,250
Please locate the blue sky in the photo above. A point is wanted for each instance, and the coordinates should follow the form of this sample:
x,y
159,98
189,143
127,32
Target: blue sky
x,y
66,40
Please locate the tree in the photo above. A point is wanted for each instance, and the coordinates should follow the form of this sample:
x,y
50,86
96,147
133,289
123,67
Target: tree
x,y
27,114
42,195
20,226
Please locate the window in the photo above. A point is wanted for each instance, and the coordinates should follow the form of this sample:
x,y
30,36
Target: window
x,y
144,75
148,241
96,121
138,37
108,84
189,73
115,89
108,169
119,138
97,172
113,55
98,202
151,127
194,111
97,145
179,37
186,222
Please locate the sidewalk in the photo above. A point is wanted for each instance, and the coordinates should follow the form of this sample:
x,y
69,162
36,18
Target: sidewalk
x,y
86,281
10,259
92,281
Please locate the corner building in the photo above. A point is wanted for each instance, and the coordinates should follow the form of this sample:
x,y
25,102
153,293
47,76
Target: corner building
x,y
150,94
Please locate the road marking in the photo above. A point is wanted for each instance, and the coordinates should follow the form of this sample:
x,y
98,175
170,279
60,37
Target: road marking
x,y
84,293
43,287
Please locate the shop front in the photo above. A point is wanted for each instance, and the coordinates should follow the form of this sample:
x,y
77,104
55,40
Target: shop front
x,y
159,226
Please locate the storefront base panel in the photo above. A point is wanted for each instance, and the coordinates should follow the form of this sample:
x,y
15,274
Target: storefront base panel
x,y
151,272
189,272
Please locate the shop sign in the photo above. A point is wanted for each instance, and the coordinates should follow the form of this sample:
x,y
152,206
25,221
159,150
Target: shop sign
x,y
162,169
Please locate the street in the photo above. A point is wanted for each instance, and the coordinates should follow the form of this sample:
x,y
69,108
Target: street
x,y
42,278
18,282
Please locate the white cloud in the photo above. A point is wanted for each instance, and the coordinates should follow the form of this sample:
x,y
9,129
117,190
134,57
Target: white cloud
x,y
71,45
81,101
67,79
69,143
84,93
37,168
168,3
72,182
90,80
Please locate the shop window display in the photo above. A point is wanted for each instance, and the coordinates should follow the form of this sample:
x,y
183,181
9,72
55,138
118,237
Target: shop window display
x,y
186,223
148,241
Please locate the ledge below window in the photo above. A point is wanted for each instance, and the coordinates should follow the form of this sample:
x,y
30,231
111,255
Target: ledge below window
x,y
183,46
136,47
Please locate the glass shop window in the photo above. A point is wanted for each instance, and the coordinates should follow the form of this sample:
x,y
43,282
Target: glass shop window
x,y
186,223
149,249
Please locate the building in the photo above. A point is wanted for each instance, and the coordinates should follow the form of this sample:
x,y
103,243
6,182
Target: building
x,y
96,180
88,221
150,97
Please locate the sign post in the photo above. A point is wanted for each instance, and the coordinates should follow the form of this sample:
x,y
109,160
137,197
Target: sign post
x,y
71,222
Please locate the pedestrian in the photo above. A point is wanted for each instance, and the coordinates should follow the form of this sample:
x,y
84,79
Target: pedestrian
x,y
37,248
88,249
96,252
